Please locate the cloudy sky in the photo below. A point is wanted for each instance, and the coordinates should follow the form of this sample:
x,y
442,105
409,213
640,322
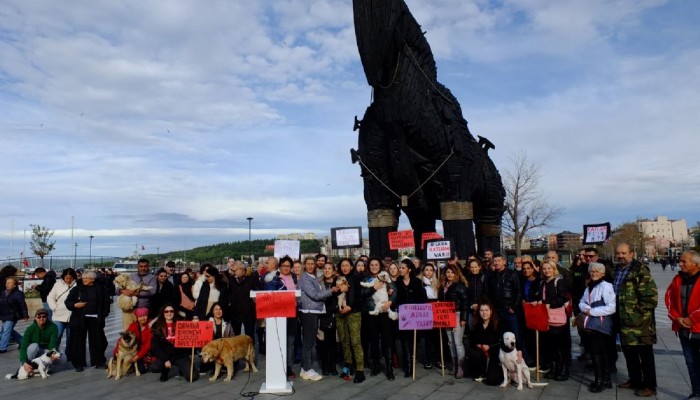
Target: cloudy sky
x,y
165,124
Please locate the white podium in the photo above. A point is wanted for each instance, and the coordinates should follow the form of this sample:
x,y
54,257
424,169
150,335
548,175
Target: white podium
x,y
275,351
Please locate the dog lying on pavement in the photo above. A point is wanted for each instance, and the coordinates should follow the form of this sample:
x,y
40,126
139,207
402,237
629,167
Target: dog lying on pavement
x,y
226,351
41,364
514,367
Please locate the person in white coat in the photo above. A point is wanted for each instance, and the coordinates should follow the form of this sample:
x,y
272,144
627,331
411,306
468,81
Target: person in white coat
x,y
597,306
56,300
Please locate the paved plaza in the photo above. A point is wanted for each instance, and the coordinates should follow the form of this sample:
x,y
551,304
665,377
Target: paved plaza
x,y
429,384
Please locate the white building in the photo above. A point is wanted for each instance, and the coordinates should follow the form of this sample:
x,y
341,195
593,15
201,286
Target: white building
x,y
665,234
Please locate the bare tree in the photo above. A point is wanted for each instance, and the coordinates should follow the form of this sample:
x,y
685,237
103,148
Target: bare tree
x,y
526,206
41,243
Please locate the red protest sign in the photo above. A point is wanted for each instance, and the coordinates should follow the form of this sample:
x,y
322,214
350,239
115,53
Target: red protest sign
x,y
428,236
401,239
444,315
276,304
193,333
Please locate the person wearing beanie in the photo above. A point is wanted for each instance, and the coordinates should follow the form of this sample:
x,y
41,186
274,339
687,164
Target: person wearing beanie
x,y
142,331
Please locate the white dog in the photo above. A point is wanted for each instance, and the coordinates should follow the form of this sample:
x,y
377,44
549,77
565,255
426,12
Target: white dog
x,y
514,367
42,364
124,281
342,302
381,296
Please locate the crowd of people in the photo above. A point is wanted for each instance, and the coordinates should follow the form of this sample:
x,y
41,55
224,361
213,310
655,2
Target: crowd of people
x,y
607,301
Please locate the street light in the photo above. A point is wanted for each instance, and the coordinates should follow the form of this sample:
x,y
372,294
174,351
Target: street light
x,y
75,254
91,237
250,248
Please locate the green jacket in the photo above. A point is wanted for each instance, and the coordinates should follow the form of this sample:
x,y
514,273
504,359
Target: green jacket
x,y
46,337
637,298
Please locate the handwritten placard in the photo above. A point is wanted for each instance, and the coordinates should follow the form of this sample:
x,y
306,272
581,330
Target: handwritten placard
x,y
438,249
291,248
276,304
428,236
415,316
193,333
444,314
346,238
401,240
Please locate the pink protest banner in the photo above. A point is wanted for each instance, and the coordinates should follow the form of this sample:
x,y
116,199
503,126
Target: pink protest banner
x,y
193,333
401,239
444,315
415,316
276,304
428,236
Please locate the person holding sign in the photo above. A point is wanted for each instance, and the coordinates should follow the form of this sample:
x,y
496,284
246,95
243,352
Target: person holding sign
x,y
409,290
453,288
484,347
557,340
163,347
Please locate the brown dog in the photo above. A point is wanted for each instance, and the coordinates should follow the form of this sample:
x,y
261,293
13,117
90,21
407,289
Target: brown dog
x,y
127,348
226,351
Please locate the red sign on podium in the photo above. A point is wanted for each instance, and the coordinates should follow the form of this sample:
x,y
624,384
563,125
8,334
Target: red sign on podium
x,y
276,304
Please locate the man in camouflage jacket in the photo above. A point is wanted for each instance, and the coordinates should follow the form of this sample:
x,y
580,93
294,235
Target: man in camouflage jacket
x,y
637,297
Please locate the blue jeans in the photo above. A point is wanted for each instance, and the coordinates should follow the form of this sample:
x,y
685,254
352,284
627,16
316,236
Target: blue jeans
x,y
509,323
6,332
62,327
691,351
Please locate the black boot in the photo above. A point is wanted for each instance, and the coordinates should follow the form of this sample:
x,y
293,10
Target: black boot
x,y
563,373
389,367
359,377
597,384
407,361
553,370
164,374
607,382
261,340
375,368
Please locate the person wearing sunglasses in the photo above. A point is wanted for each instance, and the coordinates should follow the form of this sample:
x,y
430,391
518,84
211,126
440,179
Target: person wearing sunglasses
x,y
163,347
39,337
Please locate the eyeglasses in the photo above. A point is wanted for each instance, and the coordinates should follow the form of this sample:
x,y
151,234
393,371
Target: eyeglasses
x,y
168,311
42,316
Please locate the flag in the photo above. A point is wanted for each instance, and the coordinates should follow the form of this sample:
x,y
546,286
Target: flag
x,y
25,262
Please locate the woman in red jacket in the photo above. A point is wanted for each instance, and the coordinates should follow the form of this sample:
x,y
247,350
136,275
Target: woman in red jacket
x,y
142,331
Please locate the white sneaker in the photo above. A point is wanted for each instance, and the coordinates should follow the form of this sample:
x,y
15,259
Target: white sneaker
x,y
310,375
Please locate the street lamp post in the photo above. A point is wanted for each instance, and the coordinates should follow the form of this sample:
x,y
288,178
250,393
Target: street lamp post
x,y
250,244
91,237
75,254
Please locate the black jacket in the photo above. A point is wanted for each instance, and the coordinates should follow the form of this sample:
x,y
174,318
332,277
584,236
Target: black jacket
x,y
457,293
504,289
78,294
241,307
46,285
165,294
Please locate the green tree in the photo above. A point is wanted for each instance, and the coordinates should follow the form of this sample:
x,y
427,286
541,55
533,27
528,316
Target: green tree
x,y
41,243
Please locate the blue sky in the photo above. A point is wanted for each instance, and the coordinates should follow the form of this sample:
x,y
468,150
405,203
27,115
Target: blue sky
x,y
166,124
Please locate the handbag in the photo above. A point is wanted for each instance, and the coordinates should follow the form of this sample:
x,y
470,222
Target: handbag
x,y
580,321
556,316
186,302
602,324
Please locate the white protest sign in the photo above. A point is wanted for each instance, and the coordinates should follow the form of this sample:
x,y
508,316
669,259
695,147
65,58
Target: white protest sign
x,y
291,248
438,249
346,237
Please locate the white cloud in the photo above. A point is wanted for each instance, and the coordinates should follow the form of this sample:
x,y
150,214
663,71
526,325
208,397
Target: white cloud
x,y
165,119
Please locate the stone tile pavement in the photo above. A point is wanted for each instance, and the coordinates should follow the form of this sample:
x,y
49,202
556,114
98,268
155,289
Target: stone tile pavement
x,y
430,385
